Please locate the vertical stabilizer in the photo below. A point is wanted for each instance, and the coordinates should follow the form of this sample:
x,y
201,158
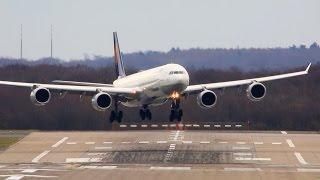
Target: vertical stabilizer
x,y
117,57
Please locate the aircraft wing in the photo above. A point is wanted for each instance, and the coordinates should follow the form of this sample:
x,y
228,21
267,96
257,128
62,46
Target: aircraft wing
x,y
74,88
81,83
221,85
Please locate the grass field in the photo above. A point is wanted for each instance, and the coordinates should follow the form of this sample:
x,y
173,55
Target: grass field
x,y
8,138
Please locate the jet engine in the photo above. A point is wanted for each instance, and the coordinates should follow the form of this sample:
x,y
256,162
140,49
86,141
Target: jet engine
x,y
101,101
256,91
207,99
40,96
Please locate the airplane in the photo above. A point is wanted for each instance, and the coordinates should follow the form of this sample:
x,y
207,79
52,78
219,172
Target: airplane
x,y
152,87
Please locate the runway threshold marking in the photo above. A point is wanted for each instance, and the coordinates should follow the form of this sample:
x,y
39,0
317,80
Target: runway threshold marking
x,y
20,176
252,159
290,143
300,158
307,170
36,159
283,132
170,168
242,169
60,142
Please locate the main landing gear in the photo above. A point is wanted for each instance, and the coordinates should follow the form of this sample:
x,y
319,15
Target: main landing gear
x,y
116,114
145,113
176,112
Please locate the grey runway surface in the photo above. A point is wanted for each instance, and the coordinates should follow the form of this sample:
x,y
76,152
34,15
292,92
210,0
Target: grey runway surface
x,y
163,154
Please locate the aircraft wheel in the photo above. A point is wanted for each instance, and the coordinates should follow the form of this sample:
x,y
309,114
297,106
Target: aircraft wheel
x,y
142,114
148,114
112,116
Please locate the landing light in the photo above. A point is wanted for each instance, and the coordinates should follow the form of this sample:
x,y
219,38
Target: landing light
x,y
175,95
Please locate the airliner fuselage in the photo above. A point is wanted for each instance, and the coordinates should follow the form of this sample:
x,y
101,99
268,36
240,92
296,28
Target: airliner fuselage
x,y
157,84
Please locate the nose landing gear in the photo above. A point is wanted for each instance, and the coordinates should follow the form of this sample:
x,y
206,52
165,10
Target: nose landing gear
x,y
145,113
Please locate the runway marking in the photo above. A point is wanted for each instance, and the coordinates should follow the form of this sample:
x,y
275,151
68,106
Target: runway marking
x,y
143,142
96,154
36,159
164,125
82,160
238,125
90,142
188,125
98,167
241,142
187,142
172,125
20,176
242,154
252,159
100,148
107,142
2,166
154,125
161,142
196,125
242,169
227,126
307,170
217,126
60,142
257,143
144,125
180,125
204,142
206,125
125,142
276,143
133,125
223,142
170,168
300,158
123,125
283,132
240,148
290,143
71,143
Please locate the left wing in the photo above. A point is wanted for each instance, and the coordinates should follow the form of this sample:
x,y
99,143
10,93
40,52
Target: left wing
x,y
199,87
74,88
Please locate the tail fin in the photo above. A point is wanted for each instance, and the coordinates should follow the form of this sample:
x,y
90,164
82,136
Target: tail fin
x,y
117,57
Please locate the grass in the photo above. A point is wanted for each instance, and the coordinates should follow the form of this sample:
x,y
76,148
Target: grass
x,y
8,141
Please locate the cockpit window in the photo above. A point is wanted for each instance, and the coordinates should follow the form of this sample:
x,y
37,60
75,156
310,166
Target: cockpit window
x,y
176,72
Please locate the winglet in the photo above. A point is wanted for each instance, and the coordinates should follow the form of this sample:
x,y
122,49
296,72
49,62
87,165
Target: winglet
x,y
307,69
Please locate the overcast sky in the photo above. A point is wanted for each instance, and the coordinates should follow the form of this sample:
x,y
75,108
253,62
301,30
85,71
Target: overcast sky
x,y
86,26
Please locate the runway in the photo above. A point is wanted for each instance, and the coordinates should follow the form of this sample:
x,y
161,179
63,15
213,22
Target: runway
x,y
163,154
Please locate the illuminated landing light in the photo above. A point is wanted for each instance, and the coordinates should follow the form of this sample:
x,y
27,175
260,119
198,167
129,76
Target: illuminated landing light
x,y
175,95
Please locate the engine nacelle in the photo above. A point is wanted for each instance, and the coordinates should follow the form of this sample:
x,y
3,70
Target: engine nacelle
x,y
256,91
40,96
101,101
207,99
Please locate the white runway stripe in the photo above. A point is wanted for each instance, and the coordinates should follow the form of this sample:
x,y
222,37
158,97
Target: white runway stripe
x,y
107,142
123,125
242,169
240,148
206,125
242,154
82,160
241,142
143,142
257,143
307,170
36,159
283,132
252,159
290,143
154,125
90,142
204,142
60,142
223,142
71,143
98,167
100,148
187,142
161,142
133,125
171,168
276,143
300,158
